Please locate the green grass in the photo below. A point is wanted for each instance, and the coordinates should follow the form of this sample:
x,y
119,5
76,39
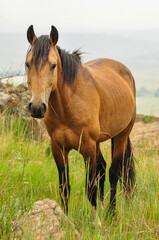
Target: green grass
x,y
28,174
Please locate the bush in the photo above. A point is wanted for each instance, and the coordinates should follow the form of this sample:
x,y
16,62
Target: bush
x,y
148,119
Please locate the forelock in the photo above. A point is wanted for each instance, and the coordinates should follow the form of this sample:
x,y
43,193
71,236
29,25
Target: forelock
x,y
41,50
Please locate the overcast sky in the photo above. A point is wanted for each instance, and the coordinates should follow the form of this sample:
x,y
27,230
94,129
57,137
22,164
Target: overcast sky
x,y
80,15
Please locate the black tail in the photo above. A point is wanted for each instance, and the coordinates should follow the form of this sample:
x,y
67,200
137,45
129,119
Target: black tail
x,y
128,170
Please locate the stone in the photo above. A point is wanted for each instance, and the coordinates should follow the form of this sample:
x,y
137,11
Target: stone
x,y
4,99
22,87
46,220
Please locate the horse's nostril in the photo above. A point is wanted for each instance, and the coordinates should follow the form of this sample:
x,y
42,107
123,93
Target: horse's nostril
x,y
43,107
37,110
29,106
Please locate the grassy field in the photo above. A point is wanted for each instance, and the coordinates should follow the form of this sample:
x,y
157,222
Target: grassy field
x,y
28,174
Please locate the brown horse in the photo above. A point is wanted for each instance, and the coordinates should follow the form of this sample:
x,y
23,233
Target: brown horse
x,y
83,103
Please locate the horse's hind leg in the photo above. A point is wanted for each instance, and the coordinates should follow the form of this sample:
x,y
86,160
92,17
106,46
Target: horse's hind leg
x,y
61,159
91,187
122,164
101,168
119,144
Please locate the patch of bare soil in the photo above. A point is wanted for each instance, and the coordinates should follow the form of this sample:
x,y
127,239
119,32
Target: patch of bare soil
x,y
146,134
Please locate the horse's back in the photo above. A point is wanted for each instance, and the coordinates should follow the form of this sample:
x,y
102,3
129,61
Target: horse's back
x,y
106,66
116,89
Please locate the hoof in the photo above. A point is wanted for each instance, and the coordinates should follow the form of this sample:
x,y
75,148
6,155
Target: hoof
x,y
95,222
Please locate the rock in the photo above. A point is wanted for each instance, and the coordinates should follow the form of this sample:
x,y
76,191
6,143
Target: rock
x,y
15,101
22,87
2,86
4,100
46,220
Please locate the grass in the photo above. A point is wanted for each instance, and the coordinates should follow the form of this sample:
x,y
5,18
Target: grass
x,y
28,174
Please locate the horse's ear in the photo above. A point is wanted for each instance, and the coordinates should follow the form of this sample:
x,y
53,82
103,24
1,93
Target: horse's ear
x,y
31,35
54,35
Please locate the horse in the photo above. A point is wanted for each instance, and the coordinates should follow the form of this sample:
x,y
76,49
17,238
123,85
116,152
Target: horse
x,y
82,105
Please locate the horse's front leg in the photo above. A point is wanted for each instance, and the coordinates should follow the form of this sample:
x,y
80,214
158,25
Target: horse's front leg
x,y
101,169
61,159
89,154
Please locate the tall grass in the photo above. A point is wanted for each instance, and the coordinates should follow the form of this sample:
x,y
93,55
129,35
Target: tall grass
x,y
28,174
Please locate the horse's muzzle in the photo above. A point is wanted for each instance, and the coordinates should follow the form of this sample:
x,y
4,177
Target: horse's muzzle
x,y
37,112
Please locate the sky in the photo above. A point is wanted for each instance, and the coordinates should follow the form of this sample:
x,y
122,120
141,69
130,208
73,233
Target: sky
x,y
78,16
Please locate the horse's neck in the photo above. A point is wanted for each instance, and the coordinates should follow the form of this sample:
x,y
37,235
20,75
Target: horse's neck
x,y
63,100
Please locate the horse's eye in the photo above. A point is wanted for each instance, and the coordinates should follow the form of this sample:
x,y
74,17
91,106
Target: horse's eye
x,y
27,65
53,66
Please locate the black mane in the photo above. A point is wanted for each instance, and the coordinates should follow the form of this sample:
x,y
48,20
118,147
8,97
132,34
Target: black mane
x,y
70,62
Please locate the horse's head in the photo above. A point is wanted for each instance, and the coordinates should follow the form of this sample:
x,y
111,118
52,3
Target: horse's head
x,y
41,64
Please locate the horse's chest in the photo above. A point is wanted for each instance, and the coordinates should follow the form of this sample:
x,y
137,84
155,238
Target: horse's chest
x,y
61,134
65,137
